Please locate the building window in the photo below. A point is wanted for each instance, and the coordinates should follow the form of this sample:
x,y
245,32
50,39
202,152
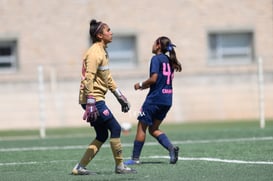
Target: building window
x,y
8,55
122,52
231,47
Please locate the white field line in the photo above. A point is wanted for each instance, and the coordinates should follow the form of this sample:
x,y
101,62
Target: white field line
x,y
12,138
147,144
217,160
35,162
152,157
46,148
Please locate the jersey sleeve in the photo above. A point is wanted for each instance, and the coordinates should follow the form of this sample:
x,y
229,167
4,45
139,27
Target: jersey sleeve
x,y
155,65
90,63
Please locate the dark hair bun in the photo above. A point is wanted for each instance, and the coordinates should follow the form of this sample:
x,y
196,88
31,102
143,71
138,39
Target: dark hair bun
x,y
93,22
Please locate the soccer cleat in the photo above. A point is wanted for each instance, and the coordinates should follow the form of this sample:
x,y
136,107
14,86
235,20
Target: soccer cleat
x,y
79,170
132,162
174,154
124,170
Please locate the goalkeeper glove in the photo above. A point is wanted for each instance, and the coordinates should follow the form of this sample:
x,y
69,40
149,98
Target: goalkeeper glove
x,y
125,106
91,112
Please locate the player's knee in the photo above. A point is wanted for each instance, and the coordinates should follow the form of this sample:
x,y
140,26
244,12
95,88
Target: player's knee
x,y
155,132
102,137
152,132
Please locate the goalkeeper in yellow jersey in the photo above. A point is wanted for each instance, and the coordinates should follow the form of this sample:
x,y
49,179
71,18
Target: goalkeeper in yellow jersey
x,y
96,80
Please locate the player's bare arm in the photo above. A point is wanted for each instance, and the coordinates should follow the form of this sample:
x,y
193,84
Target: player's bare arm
x,y
147,83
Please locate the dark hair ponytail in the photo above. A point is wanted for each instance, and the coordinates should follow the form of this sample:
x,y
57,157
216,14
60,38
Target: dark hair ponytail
x,y
167,46
95,28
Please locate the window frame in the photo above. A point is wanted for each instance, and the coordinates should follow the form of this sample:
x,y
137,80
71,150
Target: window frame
x,y
12,58
232,51
132,54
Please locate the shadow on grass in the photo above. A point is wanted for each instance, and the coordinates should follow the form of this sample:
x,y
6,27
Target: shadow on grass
x,y
100,176
153,162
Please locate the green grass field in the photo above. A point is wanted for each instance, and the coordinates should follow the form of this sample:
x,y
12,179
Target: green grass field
x,y
208,151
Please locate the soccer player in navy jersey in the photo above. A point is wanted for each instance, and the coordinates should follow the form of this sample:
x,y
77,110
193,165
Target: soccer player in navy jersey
x,y
158,101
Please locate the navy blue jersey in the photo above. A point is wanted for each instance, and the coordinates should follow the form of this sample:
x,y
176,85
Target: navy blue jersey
x,y
161,92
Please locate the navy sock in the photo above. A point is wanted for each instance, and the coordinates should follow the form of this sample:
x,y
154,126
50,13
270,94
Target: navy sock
x,y
164,141
137,149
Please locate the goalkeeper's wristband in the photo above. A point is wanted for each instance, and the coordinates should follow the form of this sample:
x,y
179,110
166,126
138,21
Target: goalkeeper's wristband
x,y
117,92
140,84
91,100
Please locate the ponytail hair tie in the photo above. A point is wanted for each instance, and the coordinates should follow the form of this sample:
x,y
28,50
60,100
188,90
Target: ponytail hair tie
x,y
170,47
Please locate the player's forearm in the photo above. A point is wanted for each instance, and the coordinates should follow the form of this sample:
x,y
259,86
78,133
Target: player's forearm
x,y
147,83
144,85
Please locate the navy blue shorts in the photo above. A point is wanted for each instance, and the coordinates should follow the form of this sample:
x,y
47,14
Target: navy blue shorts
x,y
150,112
105,122
104,112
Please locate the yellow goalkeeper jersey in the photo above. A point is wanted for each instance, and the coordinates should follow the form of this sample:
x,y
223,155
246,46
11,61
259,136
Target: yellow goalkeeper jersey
x,y
96,77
